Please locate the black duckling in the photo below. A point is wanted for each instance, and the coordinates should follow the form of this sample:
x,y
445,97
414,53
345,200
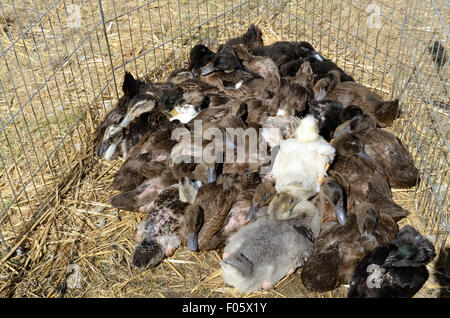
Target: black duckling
x,y
263,252
328,113
158,235
339,248
386,150
199,56
352,93
321,69
361,177
394,270
284,52
226,60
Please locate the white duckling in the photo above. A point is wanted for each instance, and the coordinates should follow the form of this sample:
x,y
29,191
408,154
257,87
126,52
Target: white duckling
x,y
263,252
302,161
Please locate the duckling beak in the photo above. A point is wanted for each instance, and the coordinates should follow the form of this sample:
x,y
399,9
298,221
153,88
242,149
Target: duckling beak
x,y
192,241
343,131
124,123
252,212
364,154
174,113
212,175
208,69
317,56
321,95
107,151
320,179
341,214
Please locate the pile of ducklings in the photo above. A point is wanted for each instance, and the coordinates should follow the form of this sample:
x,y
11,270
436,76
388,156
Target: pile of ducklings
x,y
320,198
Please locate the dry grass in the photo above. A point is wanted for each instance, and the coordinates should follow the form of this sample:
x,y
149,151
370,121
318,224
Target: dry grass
x,y
76,225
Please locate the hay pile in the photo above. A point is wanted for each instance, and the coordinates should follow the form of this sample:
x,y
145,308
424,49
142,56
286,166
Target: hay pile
x,y
77,233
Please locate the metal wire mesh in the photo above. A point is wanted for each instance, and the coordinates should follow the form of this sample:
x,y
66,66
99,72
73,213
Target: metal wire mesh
x,y
62,64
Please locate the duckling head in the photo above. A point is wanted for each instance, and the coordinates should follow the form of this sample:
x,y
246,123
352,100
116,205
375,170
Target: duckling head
x,y
349,145
225,61
305,50
188,189
332,191
184,112
199,56
263,195
180,75
281,206
308,130
114,134
193,221
362,122
412,249
138,105
350,111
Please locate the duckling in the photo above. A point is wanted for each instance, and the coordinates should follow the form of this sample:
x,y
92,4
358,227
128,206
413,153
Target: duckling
x,y
302,160
352,93
199,56
322,67
109,135
386,150
328,113
158,235
345,118
275,129
339,248
226,60
296,91
394,270
362,178
139,105
266,250
148,158
208,222
332,201
262,197
283,52
326,84
251,39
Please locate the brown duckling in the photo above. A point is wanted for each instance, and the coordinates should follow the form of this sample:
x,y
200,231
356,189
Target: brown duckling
x,y
331,201
339,248
262,197
296,91
326,84
147,158
109,133
251,39
352,93
207,218
386,150
362,178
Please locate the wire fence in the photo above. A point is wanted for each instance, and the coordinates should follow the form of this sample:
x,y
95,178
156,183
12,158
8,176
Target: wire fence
x,y
61,65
